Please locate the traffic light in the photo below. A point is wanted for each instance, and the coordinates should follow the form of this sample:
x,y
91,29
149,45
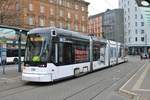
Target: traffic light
x,y
143,3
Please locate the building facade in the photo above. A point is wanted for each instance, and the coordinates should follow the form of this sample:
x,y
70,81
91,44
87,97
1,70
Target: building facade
x,y
108,25
95,25
113,25
136,26
66,14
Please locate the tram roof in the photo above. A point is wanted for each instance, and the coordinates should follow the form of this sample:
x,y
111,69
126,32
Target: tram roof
x,y
63,32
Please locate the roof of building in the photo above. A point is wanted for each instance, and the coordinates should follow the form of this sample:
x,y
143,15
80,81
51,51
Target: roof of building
x,y
100,14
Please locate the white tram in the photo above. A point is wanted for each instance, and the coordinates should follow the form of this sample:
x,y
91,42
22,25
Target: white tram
x,y
52,54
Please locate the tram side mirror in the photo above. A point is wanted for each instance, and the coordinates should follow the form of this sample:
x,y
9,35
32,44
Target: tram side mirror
x,y
53,33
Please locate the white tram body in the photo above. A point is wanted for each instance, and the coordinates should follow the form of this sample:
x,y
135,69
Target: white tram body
x,y
52,54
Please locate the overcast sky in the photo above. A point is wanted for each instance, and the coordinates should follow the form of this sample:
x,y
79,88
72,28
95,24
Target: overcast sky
x,y
98,6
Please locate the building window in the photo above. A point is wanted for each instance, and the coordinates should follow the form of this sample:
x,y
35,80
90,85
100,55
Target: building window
x,y
142,32
128,17
135,8
125,12
30,7
141,16
60,2
68,4
129,31
68,26
135,16
41,9
83,18
83,28
76,17
61,25
30,20
51,1
69,16
142,39
76,6
61,13
42,22
136,39
136,31
142,23
17,6
83,8
76,27
128,24
51,11
52,23
128,2
124,5
135,23
129,39
128,9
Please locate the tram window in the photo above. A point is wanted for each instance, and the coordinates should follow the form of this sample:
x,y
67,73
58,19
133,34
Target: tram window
x,y
61,54
67,54
53,57
120,52
81,52
111,52
115,52
96,52
70,53
102,54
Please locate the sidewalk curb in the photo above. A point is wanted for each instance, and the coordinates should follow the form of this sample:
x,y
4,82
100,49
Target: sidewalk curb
x,y
130,93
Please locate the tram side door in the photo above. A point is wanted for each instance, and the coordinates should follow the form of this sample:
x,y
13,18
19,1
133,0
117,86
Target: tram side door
x,y
65,59
68,57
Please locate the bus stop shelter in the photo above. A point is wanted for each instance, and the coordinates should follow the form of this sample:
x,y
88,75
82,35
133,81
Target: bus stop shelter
x,y
19,32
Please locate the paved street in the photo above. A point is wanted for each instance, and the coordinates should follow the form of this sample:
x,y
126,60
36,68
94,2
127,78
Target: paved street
x,y
100,85
8,67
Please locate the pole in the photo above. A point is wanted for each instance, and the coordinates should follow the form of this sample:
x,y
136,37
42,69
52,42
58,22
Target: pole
x,y
3,65
19,53
91,54
3,57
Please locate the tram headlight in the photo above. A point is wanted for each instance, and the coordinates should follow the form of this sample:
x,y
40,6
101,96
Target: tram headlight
x,y
43,65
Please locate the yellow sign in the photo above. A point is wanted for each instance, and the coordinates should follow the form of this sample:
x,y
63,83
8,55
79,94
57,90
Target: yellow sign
x,y
37,39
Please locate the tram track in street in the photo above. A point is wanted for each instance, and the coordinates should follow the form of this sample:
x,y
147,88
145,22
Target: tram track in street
x,y
92,80
96,83
30,86
22,88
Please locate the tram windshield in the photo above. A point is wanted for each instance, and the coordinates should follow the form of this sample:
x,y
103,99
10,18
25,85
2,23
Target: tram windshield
x,y
37,49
